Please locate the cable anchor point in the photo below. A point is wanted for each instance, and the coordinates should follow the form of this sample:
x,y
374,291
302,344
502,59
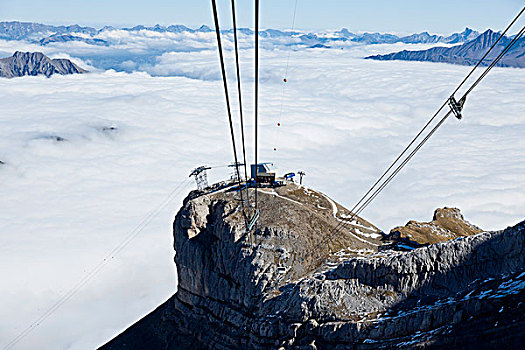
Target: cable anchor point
x,y
456,106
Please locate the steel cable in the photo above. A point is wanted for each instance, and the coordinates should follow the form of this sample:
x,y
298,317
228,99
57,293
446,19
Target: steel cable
x,y
227,96
360,206
237,64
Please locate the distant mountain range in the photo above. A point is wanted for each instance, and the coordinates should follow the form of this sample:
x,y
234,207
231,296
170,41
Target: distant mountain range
x,y
45,34
468,53
91,44
36,63
420,38
25,30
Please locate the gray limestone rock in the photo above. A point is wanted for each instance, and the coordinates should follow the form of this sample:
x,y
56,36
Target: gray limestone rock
x,y
285,286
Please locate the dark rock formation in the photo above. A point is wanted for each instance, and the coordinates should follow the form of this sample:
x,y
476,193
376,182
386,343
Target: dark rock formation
x,y
468,53
288,285
36,63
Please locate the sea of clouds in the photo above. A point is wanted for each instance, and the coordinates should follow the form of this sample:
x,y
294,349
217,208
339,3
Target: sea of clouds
x,y
87,157
156,52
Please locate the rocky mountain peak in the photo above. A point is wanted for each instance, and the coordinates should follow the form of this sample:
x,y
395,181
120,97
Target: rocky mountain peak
x,y
488,34
36,63
28,55
204,28
282,236
446,224
467,31
290,283
453,213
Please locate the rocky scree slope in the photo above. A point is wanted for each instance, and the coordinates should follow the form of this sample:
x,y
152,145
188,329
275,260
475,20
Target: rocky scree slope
x,y
36,63
287,287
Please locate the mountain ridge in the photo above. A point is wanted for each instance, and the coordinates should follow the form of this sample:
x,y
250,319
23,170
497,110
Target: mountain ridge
x,y
43,33
468,53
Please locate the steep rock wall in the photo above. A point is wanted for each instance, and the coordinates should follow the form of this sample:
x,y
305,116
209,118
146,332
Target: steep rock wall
x,y
234,294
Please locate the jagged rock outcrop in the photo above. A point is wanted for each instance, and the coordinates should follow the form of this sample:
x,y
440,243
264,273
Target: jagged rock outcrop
x,y
468,53
446,224
36,63
288,285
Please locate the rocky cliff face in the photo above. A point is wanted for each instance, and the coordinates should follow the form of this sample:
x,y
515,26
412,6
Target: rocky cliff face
x,y
36,63
288,285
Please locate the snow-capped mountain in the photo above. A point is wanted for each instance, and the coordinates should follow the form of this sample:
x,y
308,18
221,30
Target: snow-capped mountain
x,y
44,34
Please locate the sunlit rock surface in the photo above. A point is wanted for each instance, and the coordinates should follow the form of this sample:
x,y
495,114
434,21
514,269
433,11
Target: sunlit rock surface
x,y
303,280
446,224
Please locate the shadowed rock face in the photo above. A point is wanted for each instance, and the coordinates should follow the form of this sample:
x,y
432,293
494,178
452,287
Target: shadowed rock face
x,y
288,286
36,63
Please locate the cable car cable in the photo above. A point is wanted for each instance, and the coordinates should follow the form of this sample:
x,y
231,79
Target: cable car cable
x,y
353,212
227,96
487,70
438,111
256,107
237,64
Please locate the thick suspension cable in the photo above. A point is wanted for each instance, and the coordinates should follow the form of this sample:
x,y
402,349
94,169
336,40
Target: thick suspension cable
x,y
355,212
227,96
438,111
400,167
237,64
256,106
360,206
490,49
493,64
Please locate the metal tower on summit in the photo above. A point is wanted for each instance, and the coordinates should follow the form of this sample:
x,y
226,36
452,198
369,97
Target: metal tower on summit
x,y
201,177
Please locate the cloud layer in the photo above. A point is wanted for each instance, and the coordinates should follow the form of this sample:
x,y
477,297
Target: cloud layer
x,y
88,156
151,49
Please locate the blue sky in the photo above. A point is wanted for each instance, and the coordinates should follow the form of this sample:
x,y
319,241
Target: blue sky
x,y
442,16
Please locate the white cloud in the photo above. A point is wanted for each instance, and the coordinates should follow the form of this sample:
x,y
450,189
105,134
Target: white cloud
x,y
151,51
67,203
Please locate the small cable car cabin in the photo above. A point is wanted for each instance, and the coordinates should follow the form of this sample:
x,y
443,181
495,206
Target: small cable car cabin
x,y
266,173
